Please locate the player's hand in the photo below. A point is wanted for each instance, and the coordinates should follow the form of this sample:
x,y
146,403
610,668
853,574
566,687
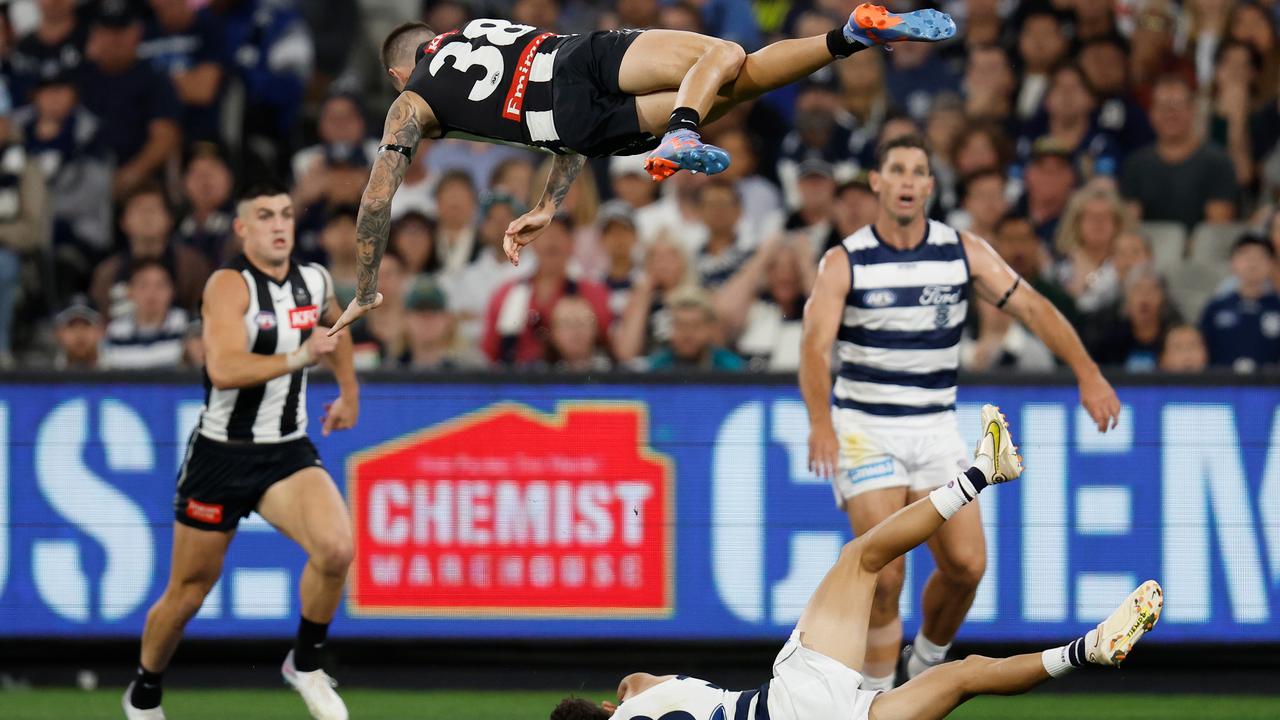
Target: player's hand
x,y
824,450
341,414
524,230
609,707
321,344
1100,400
354,312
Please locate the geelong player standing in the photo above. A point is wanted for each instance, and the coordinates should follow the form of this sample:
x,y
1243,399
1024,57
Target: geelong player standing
x,y
250,451
893,297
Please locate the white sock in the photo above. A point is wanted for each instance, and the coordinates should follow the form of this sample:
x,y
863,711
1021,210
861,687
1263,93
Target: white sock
x,y
1061,660
924,655
964,489
877,683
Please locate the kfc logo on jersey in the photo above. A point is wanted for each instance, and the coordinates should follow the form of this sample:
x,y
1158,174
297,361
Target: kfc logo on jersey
x,y
265,319
569,515
436,41
304,318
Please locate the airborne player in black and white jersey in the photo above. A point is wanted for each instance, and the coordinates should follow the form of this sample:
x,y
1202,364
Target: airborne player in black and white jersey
x,y
616,92
263,316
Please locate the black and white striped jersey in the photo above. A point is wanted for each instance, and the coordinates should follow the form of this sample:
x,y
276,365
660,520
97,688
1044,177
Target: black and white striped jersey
x,y
280,318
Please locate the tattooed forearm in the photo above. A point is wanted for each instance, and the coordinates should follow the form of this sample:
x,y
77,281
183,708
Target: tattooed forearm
x,y
373,224
563,171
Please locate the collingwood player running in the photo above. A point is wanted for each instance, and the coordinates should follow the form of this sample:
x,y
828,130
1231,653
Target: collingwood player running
x,y
250,452
893,298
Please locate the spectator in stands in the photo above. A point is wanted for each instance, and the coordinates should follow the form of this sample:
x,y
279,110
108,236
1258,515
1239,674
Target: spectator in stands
x,y
537,13
1205,23
823,130
581,205
762,212
138,110
1183,351
980,146
62,137
646,322
1094,19
338,240
733,20
983,203
815,218
682,15
1003,343
1254,25
78,333
432,331
1015,239
1050,179
1042,44
413,240
1086,241
344,147
988,85
722,254
1132,339
637,13
1104,62
619,238
147,227
1242,326
55,48
513,177
631,184
942,129
456,204
856,206
574,340
915,75
185,45
1181,177
151,334
193,345
417,192
1133,250
206,187
694,329
1234,97
865,103
1152,50
516,324
471,288
762,305
1068,121
273,55
24,222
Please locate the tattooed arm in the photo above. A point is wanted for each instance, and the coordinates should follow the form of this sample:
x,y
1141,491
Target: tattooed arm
x,y
403,129
526,228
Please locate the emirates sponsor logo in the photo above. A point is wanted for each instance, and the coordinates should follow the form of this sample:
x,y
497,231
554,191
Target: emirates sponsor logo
x,y
513,106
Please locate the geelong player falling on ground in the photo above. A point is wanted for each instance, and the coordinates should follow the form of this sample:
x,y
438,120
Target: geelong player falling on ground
x,y
263,316
893,298
592,95
816,675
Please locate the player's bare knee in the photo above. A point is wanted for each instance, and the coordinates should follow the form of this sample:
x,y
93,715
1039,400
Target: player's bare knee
x,y
966,572
973,672
332,556
188,595
728,56
889,583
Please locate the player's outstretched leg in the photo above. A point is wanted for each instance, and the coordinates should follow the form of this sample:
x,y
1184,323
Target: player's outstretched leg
x,y
709,76
835,620
934,694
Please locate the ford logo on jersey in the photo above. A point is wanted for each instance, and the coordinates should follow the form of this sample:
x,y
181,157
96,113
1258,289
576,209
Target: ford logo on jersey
x,y
879,298
939,295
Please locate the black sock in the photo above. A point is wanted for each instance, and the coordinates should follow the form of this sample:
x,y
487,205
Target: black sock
x,y
977,478
683,118
1075,653
147,689
309,644
839,46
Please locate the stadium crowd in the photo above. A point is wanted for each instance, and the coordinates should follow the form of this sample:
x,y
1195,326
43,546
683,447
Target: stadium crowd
x,y
1124,157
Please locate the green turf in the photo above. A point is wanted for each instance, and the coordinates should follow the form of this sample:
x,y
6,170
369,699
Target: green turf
x,y
403,705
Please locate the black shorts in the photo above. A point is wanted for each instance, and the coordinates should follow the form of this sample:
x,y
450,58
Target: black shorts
x,y
219,483
593,116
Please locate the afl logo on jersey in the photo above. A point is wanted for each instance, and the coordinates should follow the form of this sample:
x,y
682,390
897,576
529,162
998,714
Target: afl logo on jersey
x,y
879,298
266,320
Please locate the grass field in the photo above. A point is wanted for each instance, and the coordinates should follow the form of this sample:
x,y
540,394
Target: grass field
x,y
433,705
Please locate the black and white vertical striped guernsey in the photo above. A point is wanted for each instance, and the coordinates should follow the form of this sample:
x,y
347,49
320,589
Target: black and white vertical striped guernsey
x,y
280,318
899,341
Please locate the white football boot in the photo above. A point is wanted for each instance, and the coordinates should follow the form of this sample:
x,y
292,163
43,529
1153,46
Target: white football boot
x,y
133,713
1117,635
998,446
316,689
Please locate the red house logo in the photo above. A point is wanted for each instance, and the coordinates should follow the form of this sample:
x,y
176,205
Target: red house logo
x,y
512,512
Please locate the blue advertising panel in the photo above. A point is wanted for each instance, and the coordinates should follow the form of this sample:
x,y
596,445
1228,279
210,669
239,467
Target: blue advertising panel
x,y
638,511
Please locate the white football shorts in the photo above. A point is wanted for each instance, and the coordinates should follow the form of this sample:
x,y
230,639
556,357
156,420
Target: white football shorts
x,y
877,453
808,685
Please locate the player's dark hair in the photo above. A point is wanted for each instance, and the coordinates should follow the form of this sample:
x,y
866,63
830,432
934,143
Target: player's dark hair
x,y
146,187
720,184
263,187
1012,217
911,141
1071,66
576,708
460,177
402,41
968,181
147,263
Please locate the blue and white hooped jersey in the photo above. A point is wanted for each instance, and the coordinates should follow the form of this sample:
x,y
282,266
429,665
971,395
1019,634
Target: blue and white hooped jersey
x,y
899,341
686,698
